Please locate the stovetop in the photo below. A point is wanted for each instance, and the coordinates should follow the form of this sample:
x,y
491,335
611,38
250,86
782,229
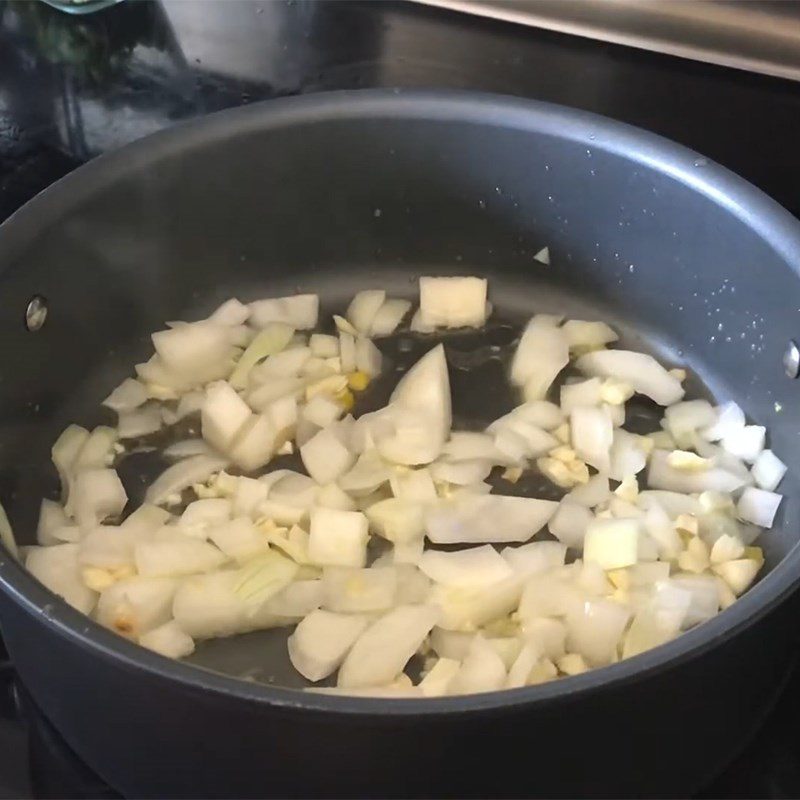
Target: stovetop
x,y
72,88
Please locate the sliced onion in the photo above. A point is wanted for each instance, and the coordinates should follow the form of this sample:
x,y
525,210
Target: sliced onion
x,y
368,357
289,363
323,346
639,370
139,422
168,640
134,606
171,553
542,353
187,448
661,475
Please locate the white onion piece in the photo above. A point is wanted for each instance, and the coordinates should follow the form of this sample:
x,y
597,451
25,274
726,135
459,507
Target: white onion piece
x,y
729,418
322,410
469,446
223,415
133,606
542,353
397,520
255,443
745,443
171,553
549,594
569,523
581,393
481,671
474,566
439,677
547,635
239,539
488,518
182,475
128,395
660,475
202,514
592,493
297,600
452,302
592,436
209,606
52,519
704,597
96,495
323,345
758,506
420,411
581,334
58,569
595,630
294,489
768,470
461,473
286,364
368,357
389,316
321,641
628,455
139,422
414,486
300,311
417,325
539,413
381,652
363,308
536,441
465,609
451,644
351,590
674,503
338,538
271,340
612,543
98,449
65,452
261,398
689,416
347,352
535,557
187,448
168,640
640,370
231,312
164,383
369,473
198,351
325,457
331,496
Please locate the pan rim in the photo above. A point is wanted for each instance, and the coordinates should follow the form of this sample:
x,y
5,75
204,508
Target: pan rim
x,y
751,206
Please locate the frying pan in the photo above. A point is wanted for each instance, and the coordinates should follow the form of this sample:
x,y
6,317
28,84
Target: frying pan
x,y
335,193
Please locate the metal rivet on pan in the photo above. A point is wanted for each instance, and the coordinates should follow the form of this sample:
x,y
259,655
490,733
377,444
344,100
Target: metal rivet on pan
x,y
791,360
36,313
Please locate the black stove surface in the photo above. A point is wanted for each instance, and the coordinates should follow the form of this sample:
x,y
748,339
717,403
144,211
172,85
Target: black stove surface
x,y
74,87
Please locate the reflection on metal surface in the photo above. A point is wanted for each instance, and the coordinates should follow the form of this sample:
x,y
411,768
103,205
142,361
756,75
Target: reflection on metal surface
x,y
756,35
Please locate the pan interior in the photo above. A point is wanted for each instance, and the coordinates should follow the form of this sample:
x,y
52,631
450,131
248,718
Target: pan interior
x,y
264,203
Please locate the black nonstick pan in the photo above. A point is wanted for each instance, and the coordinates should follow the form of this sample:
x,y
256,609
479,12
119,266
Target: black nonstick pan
x,y
336,193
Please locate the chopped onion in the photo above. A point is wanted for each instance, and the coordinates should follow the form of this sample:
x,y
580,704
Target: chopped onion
x,y
535,557
58,569
182,475
612,543
661,475
729,419
168,640
465,609
475,566
300,311
323,346
745,443
452,302
65,452
595,630
134,606
768,470
198,352
172,553
639,370
352,590
389,316
338,538
542,353
488,518
380,653
287,364
255,443
52,520
368,357
97,495
481,671
223,415
439,677
325,457
322,411
592,436
321,641
569,523
271,340
583,335
139,422
628,455
363,308
239,539
187,448
758,506
231,312
591,493
130,394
